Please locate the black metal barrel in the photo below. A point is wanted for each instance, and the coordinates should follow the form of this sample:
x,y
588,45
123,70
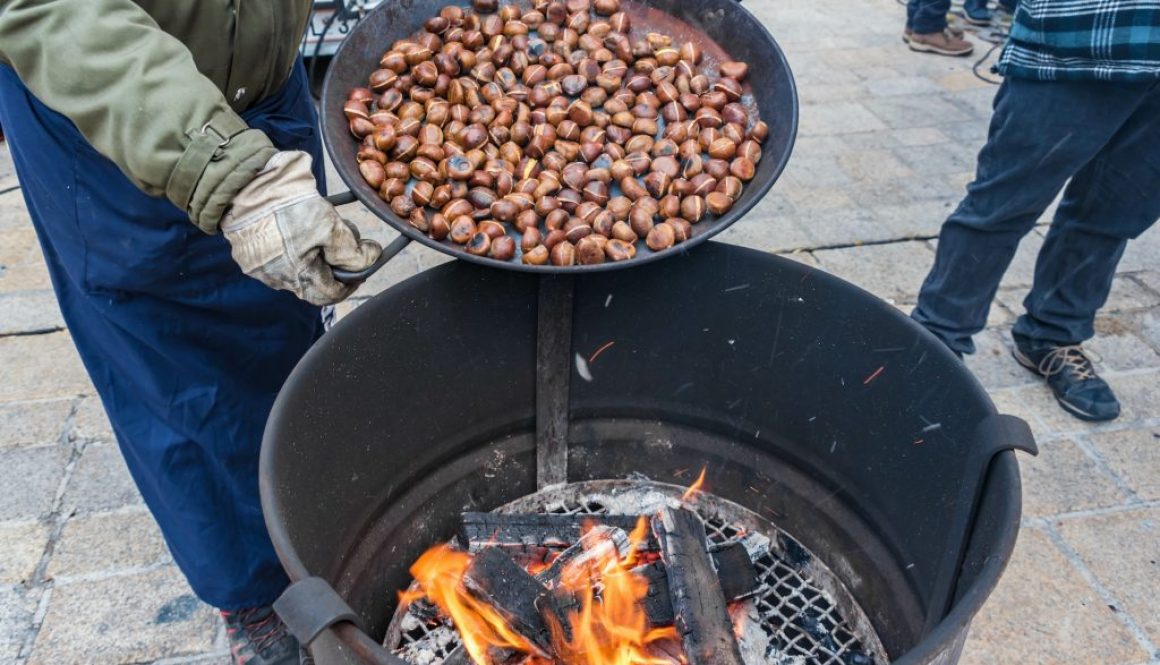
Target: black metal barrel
x,y
810,401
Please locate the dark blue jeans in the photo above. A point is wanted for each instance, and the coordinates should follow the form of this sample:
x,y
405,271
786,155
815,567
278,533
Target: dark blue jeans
x,y
1105,137
927,16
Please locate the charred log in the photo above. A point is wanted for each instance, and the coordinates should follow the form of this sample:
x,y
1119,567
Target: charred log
x,y
701,615
527,604
524,532
736,575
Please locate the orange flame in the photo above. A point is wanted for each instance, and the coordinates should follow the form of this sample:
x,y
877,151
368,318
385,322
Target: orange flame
x,y
696,486
439,573
610,628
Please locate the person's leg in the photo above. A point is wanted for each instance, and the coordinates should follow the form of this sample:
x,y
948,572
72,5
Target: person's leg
x,y
186,352
1041,134
1113,199
976,12
926,29
929,16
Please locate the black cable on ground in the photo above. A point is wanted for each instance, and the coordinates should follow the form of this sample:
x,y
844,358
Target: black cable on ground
x,y
980,61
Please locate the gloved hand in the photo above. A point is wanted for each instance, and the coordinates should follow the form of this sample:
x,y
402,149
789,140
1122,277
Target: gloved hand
x,y
283,233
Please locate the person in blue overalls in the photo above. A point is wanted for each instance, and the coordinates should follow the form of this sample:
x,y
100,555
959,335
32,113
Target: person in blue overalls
x,y
127,120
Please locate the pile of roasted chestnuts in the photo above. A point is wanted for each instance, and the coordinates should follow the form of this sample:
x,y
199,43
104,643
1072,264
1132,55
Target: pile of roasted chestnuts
x,y
554,134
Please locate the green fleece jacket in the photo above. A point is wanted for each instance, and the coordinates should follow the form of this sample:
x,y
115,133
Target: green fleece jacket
x,y
157,85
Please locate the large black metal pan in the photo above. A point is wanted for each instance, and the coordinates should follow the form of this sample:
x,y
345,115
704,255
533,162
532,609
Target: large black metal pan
x,y
723,28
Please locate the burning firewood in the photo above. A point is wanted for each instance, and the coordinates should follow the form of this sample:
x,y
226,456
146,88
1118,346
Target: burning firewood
x,y
702,617
736,575
595,580
530,532
528,606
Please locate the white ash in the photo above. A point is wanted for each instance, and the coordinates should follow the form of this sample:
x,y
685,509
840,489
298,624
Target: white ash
x,y
751,638
432,648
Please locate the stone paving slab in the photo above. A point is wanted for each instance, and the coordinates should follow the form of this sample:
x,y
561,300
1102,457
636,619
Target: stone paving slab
x,y
27,424
104,542
90,423
124,619
1142,252
1149,278
13,213
1134,455
57,371
101,482
28,313
1044,613
1147,326
16,612
1065,479
21,546
1131,574
23,265
30,478
892,271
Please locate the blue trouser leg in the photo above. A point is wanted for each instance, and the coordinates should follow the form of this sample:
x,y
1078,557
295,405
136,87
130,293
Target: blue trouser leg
x,y
186,352
1112,199
927,16
1041,134
975,5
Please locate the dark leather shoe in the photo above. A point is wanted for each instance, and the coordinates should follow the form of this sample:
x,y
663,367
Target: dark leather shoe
x,y
1071,376
258,637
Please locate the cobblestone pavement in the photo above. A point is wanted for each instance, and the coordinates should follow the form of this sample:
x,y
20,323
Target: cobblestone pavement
x,y
888,140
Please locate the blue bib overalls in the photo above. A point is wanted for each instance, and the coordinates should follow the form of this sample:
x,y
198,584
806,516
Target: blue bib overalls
x,y
186,352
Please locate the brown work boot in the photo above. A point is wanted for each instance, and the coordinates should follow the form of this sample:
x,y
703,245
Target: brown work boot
x,y
955,32
942,43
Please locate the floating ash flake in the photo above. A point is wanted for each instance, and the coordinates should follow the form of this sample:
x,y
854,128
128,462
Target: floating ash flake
x,y
582,368
608,301
931,427
739,287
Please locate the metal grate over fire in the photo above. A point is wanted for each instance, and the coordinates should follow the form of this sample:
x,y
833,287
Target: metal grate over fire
x,y
784,606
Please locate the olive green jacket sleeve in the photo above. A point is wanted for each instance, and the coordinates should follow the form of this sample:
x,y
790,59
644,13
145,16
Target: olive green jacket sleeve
x,y
135,93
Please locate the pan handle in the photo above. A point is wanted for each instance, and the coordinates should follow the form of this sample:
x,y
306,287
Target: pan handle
x,y
342,198
360,276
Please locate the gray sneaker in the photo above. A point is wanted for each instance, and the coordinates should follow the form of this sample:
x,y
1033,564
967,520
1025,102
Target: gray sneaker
x,y
258,637
1071,376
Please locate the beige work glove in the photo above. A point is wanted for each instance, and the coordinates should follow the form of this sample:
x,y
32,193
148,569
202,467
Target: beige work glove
x,y
283,233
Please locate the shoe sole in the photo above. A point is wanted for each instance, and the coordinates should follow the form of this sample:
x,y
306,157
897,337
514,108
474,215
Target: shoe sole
x,y
927,48
1026,363
975,21
906,36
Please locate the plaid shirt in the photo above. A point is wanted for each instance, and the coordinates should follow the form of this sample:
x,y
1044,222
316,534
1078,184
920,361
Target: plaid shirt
x,y
1107,40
